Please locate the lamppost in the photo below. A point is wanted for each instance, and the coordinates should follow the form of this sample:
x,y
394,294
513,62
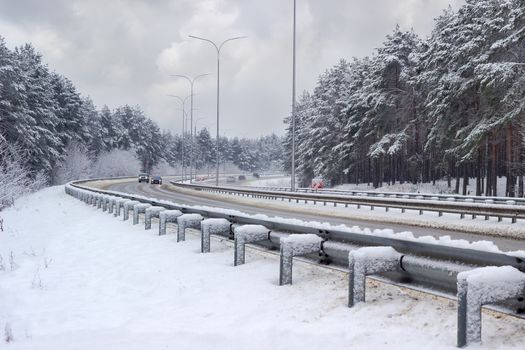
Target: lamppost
x,y
293,102
218,48
191,81
183,102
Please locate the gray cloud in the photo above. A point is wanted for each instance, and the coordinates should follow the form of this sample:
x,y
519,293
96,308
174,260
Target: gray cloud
x,y
122,51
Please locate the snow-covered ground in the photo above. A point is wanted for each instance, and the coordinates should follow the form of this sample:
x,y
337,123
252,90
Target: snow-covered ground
x,y
73,277
441,187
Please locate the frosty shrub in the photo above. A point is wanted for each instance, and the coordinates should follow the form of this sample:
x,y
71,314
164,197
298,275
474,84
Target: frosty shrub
x,y
15,179
76,165
116,163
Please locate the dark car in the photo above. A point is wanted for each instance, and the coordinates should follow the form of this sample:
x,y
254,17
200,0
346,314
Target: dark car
x,y
242,177
256,175
143,177
156,180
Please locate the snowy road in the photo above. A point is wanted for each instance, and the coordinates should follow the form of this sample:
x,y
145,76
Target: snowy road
x,y
183,198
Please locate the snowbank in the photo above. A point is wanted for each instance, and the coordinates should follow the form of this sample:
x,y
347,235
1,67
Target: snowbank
x,y
81,279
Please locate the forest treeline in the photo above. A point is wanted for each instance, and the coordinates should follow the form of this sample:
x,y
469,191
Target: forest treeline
x,y
450,106
43,118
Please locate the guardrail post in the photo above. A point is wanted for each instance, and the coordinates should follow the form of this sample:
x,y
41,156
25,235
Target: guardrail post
x,y
151,212
112,204
295,245
187,221
367,261
165,217
105,202
100,199
482,286
127,206
138,209
119,206
212,226
247,234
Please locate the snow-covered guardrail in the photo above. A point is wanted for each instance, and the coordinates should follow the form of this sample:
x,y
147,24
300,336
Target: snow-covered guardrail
x,y
463,208
405,195
442,265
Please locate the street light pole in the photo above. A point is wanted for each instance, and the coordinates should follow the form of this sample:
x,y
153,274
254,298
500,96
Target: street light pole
x,y
218,49
293,102
191,81
183,102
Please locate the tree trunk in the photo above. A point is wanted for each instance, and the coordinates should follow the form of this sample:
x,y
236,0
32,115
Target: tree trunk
x,y
494,175
509,163
456,190
479,190
465,179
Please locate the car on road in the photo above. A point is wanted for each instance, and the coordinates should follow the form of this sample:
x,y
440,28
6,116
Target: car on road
x,y
242,177
230,179
143,177
156,180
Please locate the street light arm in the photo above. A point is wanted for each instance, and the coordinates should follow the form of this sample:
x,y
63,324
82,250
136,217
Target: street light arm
x,y
200,76
183,100
203,39
231,39
181,76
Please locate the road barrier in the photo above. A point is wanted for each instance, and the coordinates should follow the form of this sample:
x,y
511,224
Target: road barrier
x,y
486,209
128,205
187,221
369,261
152,212
213,226
165,217
446,268
247,234
404,195
139,208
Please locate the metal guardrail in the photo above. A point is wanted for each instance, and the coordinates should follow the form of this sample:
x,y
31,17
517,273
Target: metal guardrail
x,y
405,195
434,265
446,267
512,211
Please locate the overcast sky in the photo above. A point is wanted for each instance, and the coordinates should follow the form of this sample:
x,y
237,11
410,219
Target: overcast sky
x,y
123,51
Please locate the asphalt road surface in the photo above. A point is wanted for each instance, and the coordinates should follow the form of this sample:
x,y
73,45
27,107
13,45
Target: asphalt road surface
x,y
506,244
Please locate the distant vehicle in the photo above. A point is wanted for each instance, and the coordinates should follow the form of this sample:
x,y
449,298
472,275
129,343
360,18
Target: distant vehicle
x,y
156,180
143,177
201,178
230,179
242,177
317,183
256,175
